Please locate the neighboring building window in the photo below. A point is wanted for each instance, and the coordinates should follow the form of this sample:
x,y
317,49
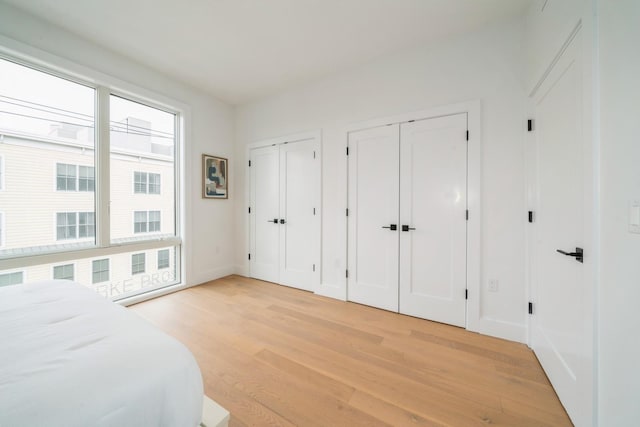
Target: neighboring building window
x,y
100,270
140,222
66,225
65,177
1,173
137,263
146,183
163,258
64,272
146,221
140,182
154,183
154,221
11,278
1,229
86,224
86,178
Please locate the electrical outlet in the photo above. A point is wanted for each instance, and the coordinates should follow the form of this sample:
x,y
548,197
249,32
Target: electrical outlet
x,y
493,285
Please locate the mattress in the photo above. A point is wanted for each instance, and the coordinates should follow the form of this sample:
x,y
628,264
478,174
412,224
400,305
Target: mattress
x,y
68,357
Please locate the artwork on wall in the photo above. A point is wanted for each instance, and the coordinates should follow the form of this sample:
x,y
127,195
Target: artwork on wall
x,y
214,177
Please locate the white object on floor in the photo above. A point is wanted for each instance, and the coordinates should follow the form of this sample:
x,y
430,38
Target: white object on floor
x,y
213,415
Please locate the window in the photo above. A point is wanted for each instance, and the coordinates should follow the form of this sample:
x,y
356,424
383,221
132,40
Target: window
x,y
146,221
86,224
140,222
154,221
86,179
163,258
62,206
154,183
139,182
146,183
100,270
66,225
65,177
64,272
8,279
137,263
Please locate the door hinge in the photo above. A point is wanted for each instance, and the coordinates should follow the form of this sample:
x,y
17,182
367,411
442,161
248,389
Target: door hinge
x,y
467,135
466,294
314,211
314,154
530,216
346,274
314,267
530,308
249,256
347,211
467,214
347,151
249,163
529,125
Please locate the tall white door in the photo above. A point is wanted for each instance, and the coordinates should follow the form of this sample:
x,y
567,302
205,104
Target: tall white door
x,y
562,316
299,214
433,203
265,213
373,217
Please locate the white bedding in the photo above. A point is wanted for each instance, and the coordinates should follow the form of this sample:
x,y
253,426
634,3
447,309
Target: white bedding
x,y
70,358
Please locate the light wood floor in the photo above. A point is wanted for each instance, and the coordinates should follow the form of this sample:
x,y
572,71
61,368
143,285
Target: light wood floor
x,y
276,356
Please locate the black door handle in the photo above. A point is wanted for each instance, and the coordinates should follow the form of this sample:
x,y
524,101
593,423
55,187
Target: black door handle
x,y
282,221
407,228
392,227
274,220
578,254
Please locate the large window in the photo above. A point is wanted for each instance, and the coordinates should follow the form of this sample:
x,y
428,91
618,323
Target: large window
x,y
57,208
63,272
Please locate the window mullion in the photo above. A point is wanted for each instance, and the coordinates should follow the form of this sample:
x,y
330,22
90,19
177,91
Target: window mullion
x,y
102,184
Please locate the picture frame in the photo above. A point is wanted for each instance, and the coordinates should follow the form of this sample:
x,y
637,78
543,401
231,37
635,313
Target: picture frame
x,y
215,177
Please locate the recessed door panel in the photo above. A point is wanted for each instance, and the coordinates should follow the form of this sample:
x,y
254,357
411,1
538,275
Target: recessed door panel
x,y
373,217
299,211
265,215
433,203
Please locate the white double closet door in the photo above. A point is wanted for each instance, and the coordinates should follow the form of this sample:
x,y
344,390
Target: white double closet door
x,y
285,213
407,218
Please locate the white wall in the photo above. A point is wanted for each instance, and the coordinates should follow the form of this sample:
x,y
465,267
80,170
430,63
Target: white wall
x,y
209,240
485,66
619,322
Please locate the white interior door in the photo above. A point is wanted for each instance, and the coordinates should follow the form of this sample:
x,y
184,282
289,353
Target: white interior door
x,y
433,203
561,321
299,214
373,217
265,213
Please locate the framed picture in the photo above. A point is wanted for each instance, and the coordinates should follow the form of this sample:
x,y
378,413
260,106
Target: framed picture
x,y
215,171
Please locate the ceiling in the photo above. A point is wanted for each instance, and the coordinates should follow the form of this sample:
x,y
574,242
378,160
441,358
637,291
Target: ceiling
x,y
241,50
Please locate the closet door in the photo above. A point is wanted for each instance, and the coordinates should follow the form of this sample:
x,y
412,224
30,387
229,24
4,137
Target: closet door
x,y
433,203
373,217
265,213
299,214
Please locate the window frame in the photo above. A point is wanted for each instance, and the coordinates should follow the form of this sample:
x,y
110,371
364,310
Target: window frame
x,y
108,270
106,85
10,272
168,251
135,263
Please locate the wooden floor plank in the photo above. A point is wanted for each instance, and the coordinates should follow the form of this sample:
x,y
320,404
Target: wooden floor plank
x,y
276,356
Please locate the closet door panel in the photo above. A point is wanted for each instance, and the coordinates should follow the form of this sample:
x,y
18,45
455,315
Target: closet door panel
x,y
299,208
373,213
433,203
265,208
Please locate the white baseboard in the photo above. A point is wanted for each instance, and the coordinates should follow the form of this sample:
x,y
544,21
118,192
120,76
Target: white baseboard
x,y
502,329
332,291
241,270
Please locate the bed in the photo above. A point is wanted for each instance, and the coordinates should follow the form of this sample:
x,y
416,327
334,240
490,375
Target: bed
x,y
70,358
